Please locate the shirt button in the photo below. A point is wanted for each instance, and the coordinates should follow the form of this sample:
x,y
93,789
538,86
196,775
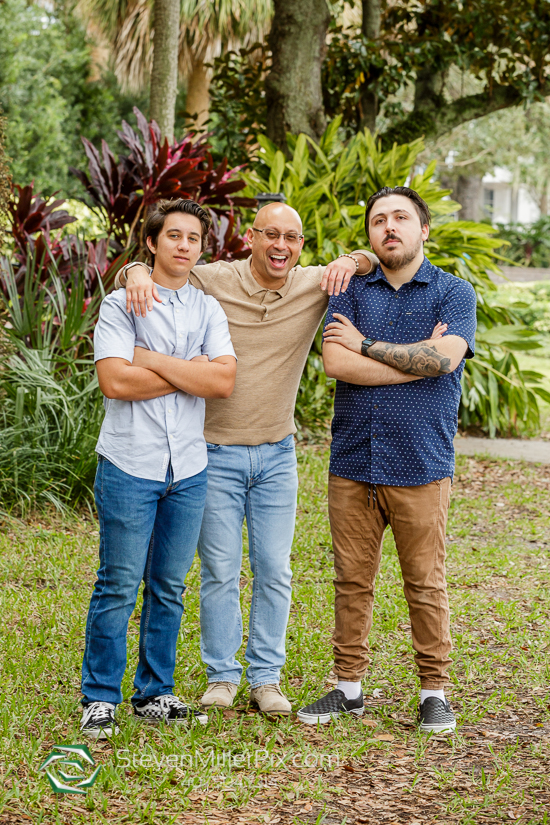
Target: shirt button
x,y
374,435
391,323
170,409
376,406
177,310
180,335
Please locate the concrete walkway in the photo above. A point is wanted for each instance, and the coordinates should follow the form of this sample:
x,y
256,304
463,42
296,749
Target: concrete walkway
x,y
525,274
523,450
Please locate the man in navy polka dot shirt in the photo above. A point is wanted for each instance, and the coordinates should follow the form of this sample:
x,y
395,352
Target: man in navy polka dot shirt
x,y
392,456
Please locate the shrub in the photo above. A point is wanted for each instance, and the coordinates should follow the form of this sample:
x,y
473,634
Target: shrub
x,y
51,405
151,170
528,245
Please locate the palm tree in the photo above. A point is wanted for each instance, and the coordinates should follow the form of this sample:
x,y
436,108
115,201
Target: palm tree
x,y
207,27
5,177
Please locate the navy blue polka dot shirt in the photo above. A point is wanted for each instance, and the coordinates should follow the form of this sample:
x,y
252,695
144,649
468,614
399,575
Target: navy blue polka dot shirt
x,y
401,435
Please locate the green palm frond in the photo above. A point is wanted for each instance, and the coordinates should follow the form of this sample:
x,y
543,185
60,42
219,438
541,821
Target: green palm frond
x,y
207,28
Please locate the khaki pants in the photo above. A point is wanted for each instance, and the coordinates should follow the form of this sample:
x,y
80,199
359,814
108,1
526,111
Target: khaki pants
x,y
417,517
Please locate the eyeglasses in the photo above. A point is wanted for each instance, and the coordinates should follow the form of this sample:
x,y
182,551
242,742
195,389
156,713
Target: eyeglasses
x,y
273,235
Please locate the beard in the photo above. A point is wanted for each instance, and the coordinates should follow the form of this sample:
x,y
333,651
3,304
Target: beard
x,y
398,258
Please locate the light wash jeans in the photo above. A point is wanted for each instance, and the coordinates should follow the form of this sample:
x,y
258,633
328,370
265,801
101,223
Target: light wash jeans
x,y
148,530
260,483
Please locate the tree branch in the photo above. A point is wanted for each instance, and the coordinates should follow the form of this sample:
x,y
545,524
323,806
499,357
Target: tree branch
x,y
433,117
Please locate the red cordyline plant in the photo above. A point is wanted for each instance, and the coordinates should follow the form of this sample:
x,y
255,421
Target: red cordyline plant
x,y
152,170
34,222
122,191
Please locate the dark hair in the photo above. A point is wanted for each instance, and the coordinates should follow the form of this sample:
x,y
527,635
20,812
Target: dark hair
x,y
159,211
422,208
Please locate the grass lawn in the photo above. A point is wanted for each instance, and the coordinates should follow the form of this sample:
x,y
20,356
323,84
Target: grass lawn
x,y
244,768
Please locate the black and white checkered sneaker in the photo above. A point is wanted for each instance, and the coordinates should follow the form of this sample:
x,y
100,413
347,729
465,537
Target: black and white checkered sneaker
x,y
436,715
167,708
330,707
98,720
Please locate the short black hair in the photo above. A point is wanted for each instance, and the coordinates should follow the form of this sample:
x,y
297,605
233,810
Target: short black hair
x,y
422,208
159,211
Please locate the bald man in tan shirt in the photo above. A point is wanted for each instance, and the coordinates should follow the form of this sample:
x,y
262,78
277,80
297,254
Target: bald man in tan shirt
x,y
274,309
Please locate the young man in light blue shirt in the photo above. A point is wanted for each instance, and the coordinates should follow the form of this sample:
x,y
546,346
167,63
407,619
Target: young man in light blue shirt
x,y
150,488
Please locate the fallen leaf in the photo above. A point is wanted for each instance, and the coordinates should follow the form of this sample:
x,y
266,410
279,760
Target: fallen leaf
x,y
370,723
385,737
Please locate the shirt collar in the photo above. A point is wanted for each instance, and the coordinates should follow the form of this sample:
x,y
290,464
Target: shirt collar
x,y
253,287
180,294
424,273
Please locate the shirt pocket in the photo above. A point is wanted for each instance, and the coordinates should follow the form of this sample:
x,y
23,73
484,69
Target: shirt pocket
x,y
194,343
417,324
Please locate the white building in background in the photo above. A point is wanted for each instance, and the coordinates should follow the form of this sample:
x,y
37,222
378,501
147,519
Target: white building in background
x,y
506,202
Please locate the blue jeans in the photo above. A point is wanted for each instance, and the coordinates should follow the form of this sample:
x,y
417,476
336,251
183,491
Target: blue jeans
x,y
260,483
148,530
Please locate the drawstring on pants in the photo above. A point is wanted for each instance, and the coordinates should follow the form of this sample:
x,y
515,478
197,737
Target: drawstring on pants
x,y
371,495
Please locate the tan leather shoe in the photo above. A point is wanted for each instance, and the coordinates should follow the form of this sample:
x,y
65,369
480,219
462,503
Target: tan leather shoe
x,y
271,700
219,695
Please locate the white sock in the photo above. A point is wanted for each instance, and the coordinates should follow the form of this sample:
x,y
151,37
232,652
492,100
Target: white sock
x,y
351,690
439,694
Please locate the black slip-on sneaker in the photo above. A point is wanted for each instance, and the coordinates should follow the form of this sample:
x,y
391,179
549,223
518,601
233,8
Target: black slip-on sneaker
x,y
167,708
330,707
436,715
98,720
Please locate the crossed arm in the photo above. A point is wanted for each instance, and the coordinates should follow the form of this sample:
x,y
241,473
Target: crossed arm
x,y
388,363
152,375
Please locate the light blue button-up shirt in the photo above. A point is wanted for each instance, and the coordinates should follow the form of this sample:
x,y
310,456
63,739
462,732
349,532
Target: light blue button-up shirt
x,y
142,437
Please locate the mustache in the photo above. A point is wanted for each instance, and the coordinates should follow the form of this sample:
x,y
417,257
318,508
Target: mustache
x,y
391,237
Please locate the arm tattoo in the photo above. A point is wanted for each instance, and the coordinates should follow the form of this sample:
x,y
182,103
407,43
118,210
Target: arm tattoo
x,y
415,359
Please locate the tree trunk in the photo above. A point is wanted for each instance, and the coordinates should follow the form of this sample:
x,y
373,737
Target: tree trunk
x,y
543,200
371,30
294,94
468,194
197,103
164,74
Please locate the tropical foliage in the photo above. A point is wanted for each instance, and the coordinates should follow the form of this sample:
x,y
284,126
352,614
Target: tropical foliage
x,y
153,169
328,183
51,285
528,245
206,29
51,407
